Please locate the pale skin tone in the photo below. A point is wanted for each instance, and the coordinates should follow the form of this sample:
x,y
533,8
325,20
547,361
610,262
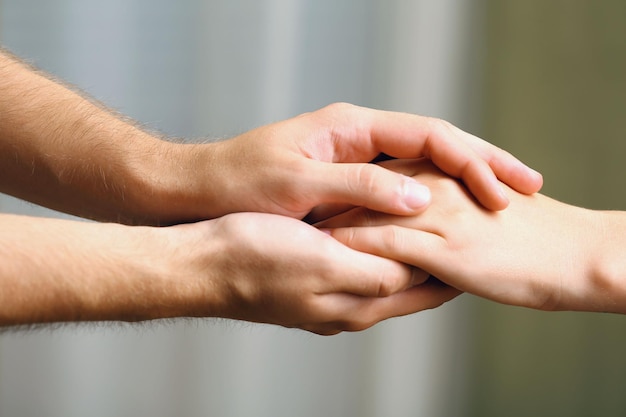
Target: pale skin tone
x,y
60,150
538,253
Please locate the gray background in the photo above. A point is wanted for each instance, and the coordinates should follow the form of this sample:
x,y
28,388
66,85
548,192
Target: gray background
x,y
200,69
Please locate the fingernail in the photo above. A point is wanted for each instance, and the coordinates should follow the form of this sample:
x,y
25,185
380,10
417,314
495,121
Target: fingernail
x,y
415,194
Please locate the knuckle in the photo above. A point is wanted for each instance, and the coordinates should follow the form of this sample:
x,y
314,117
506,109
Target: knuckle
x,y
385,287
391,238
330,262
339,111
363,179
339,107
438,125
389,285
339,121
468,169
435,125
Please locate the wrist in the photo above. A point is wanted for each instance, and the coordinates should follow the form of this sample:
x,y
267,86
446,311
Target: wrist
x,y
131,279
607,272
187,264
158,272
177,183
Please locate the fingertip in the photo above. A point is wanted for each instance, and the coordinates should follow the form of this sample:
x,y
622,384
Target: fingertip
x,y
418,276
518,176
490,192
523,179
503,199
495,205
535,179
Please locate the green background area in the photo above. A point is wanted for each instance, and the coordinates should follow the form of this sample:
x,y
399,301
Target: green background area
x,y
554,94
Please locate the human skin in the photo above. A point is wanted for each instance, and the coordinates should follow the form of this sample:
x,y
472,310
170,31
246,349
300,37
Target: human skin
x,y
60,271
538,253
63,151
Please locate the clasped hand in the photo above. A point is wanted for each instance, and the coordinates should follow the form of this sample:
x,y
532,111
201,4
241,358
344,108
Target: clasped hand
x,y
284,271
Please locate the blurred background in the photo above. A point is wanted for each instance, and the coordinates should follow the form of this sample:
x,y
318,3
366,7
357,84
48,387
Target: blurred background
x,y
544,80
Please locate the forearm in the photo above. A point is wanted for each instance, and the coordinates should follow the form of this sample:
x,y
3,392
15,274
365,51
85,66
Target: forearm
x,y
58,270
62,151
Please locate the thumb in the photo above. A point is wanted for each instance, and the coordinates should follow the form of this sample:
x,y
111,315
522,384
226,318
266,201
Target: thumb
x,y
368,185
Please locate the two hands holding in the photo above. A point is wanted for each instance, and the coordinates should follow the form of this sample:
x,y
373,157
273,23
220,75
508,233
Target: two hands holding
x,y
356,266
375,251
373,239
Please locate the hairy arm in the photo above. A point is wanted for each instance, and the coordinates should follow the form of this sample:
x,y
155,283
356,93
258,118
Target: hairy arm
x,y
57,270
246,266
66,152
539,253
63,151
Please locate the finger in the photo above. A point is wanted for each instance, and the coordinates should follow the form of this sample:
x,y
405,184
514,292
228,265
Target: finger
x,y
410,136
367,185
443,143
507,167
362,217
360,313
478,163
457,158
418,277
366,275
423,250
429,295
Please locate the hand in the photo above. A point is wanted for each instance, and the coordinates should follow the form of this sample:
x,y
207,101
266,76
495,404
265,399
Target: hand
x,y
319,158
288,168
273,269
538,253
248,266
